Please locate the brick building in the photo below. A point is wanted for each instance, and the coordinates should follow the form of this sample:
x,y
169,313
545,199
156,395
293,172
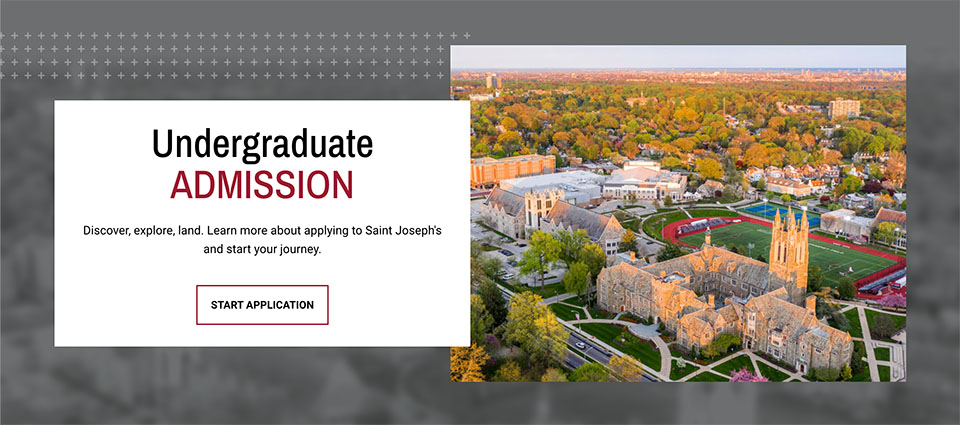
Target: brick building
x,y
487,171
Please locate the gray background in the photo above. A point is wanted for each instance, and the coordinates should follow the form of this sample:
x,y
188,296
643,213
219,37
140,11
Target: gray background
x,y
41,384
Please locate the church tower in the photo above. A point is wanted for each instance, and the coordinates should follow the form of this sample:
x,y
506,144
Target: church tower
x,y
706,239
789,253
539,204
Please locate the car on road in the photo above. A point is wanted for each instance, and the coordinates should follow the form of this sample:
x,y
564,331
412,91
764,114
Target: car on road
x,y
512,262
581,345
506,252
508,276
521,244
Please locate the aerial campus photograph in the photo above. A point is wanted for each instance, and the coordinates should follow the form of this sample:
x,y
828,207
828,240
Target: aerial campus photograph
x,y
685,213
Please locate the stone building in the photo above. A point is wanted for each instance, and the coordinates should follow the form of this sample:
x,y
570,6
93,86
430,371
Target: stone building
x,y
504,211
764,304
520,215
603,230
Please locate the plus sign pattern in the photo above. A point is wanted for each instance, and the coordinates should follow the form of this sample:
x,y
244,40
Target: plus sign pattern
x,y
226,55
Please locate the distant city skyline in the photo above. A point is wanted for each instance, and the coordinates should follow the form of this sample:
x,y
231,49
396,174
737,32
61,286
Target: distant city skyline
x,y
675,57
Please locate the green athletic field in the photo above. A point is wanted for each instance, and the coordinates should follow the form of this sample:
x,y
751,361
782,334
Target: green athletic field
x,y
831,258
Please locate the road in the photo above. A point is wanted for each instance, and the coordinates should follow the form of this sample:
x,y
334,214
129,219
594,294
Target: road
x,y
596,353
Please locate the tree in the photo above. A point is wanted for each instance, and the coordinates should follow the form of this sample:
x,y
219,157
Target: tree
x,y
721,345
814,278
535,329
884,200
592,255
883,326
628,242
480,320
626,368
465,363
709,168
826,374
590,372
744,375
756,156
761,184
893,300
846,373
777,123
570,245
670,250
849,184
896,171
785,198
509,124
543,253
668,201
493,302
886,232
553,375
670,162
846,289
577,278
509,372
491,265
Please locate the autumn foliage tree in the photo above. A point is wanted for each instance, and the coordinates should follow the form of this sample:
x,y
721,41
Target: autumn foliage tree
x,y
896,168
466,363
626,369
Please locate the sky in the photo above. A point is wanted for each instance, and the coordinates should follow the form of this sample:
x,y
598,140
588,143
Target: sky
x,y
602,57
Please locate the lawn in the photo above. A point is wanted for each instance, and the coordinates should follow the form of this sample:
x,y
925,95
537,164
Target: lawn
x,y
858,345
736,363
484,225
882,353
677,374
631,223
831,258
595,313
770,373
708,377
863,376
652,225
867,245
566,312
854,318
546,291
640,350
711,212
898,321
884,373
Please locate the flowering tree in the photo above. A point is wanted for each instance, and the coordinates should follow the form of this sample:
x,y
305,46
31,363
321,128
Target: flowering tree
x,y
744,375
893,300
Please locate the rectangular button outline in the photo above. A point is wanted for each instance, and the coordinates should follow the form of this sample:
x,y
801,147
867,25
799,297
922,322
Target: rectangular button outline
x,y
197,306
